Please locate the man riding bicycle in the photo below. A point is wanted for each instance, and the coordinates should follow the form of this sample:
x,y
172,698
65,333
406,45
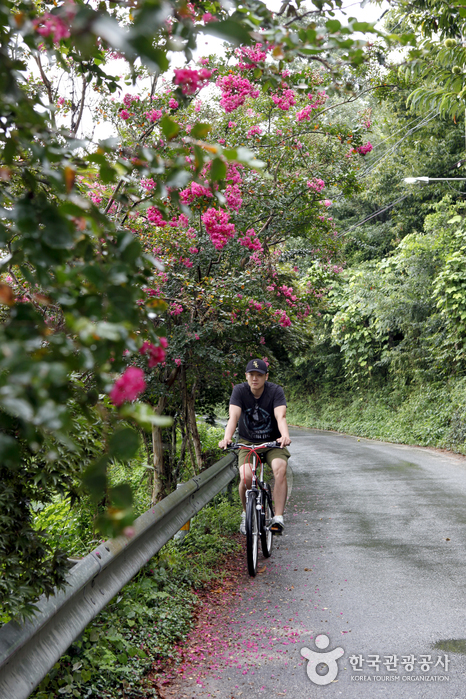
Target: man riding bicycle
x,y
260,408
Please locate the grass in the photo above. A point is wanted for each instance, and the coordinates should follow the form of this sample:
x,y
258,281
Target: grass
x,y
431,415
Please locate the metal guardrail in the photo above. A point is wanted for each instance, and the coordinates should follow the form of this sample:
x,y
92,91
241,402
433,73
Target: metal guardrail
x,y
28,651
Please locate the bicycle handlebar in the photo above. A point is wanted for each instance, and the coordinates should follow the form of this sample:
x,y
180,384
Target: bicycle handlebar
x,y
265,445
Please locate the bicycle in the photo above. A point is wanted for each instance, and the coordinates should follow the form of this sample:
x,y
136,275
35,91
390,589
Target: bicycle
x,y
259,509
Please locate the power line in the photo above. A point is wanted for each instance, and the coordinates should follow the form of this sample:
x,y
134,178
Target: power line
x,y
372,167
376,213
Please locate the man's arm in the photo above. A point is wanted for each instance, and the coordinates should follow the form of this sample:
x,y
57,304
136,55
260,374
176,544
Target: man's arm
x,y
280,416
235,414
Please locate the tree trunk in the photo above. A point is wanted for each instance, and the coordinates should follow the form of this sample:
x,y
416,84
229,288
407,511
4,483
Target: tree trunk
x,y
191,426
158,483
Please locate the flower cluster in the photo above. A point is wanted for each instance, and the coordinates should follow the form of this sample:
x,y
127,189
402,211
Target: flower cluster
x,y
366,148
254,130
194,190
316,184
129,99
172,103
154,115
148,184
191,80
217,227
235,91
251,241
253,55
156,354
124,114
233,197
233,175
128,386
52,24
285,100
176,309
155,217
283,319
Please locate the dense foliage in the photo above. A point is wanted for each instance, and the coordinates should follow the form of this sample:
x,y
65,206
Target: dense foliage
x,y
82,324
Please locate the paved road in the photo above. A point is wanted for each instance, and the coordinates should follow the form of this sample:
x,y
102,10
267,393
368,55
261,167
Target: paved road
x,y
374,559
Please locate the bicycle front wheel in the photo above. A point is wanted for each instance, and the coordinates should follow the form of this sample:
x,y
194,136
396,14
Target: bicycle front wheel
x,y
266,534
252,534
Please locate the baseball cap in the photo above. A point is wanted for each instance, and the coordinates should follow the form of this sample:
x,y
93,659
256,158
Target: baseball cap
x,y
257,365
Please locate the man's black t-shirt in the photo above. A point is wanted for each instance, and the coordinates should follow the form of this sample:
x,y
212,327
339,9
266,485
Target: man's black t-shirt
x,y
257,422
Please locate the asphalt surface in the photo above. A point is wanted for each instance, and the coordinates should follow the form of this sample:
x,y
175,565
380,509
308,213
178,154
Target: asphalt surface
x,y
373,560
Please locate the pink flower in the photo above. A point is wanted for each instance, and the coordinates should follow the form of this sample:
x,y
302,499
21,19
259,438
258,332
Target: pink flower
x,y
285,100
194,190
221,140
178,362
124,114
128,386
235,91
191,80
129,99
251,241
148,184
51,24
316,184
155,217
207,17
231,124
172,103
175,309
262,340
363,150
233,175
233,197
60,101
249,56
154,115
193,251
254,130
304,114
327,203
156,354
217,227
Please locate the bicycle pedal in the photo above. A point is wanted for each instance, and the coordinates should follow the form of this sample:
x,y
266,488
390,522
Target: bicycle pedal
x,y
277,530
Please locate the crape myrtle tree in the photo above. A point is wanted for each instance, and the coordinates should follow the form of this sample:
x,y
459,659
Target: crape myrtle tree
x,y
223,295
78,330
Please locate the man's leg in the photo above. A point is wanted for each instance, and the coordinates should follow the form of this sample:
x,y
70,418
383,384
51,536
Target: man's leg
x,y
244,475
280,490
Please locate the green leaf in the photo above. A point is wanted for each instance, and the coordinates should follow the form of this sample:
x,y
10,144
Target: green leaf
x,y
229,30
95,478
124,444
333,25
145,416
200,130
121,496
169,127
218,169
10,454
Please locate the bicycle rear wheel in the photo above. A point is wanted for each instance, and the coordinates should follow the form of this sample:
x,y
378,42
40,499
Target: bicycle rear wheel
x,y
266,534
252,534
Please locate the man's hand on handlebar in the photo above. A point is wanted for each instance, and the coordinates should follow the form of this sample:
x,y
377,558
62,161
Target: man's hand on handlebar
x,y
284,441
223,444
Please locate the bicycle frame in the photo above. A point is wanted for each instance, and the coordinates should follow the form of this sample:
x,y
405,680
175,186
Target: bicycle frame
x,y
259,507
